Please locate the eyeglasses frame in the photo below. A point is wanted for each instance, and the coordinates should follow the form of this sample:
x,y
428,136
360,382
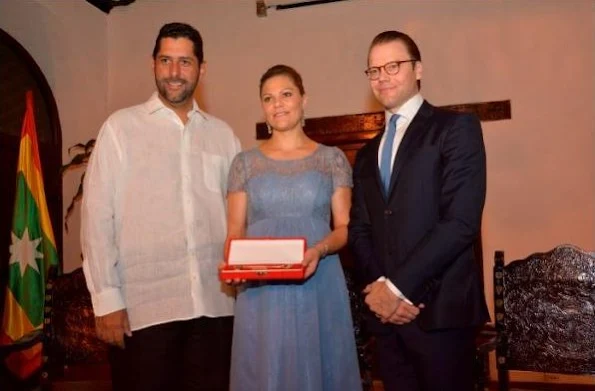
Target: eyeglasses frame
x,y
383,67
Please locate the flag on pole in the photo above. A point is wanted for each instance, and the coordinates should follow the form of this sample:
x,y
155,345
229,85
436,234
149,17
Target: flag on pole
x,y
32,254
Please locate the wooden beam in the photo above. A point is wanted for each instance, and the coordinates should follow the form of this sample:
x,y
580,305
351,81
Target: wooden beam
x,y
367,125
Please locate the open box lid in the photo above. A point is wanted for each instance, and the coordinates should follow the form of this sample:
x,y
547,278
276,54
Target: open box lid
x,y
265,259
266,251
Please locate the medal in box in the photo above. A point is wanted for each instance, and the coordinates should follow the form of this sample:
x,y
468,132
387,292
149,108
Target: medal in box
x,y
264,259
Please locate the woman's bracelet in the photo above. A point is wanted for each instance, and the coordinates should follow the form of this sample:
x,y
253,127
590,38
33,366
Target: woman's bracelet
x,y
324,252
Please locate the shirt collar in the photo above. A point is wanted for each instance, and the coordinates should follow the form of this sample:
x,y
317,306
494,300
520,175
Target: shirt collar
x,y
407,109
155,104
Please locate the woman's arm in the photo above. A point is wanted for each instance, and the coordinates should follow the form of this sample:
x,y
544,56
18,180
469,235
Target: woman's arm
x,y
337,238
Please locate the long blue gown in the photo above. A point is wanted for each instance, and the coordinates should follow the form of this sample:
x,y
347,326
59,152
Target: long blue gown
x,y
293,336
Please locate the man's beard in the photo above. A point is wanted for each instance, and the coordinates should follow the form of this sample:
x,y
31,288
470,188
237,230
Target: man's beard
x,y
179,96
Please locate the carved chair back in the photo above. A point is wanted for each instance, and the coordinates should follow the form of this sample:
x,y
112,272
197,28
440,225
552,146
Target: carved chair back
x,y
545,313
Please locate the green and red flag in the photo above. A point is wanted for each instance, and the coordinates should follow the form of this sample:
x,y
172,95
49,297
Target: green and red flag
x,y
32,254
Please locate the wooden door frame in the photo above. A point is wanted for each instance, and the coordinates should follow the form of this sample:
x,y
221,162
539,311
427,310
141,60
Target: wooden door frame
x,y
50,150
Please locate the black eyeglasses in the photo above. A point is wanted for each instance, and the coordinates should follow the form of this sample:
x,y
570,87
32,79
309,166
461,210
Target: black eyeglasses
x,y
391,68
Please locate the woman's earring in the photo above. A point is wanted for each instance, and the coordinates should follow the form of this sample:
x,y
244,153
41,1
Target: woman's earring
x,y
269,128
303,121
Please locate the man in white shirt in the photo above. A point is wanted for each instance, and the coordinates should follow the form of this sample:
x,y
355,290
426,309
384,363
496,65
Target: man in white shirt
x,y
153,230
418,195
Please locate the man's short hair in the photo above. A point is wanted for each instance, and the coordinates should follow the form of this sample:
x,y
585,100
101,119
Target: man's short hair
x,y
391,36
180,30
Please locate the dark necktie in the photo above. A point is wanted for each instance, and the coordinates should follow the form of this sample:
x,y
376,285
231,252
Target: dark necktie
x,y
387,149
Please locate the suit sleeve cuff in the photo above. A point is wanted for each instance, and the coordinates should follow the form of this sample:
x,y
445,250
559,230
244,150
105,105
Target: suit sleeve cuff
x,y
394,289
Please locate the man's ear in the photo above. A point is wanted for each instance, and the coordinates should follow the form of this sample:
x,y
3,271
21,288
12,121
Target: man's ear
x,y
202,69
418,70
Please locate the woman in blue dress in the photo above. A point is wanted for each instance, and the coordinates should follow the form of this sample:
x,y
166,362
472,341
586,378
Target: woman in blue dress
x,y
292,335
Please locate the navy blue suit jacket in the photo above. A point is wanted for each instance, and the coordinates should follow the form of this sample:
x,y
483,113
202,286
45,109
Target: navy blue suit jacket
x,y
421,234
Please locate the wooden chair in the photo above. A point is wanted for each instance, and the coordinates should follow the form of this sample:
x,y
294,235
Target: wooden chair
x,y
74,358
545,313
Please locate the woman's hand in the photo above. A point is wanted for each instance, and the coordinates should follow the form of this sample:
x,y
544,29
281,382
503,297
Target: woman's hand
x,y
311,258
234,281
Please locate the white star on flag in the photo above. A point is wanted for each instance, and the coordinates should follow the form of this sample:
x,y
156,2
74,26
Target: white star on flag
x,y
24,251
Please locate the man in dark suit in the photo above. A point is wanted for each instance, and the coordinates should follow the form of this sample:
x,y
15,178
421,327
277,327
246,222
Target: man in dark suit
x,y
418,196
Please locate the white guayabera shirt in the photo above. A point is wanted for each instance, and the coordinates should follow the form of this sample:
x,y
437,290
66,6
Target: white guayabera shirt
x,y
153,215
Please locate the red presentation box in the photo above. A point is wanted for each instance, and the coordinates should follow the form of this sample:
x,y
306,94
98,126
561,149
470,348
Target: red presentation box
x,y
265,259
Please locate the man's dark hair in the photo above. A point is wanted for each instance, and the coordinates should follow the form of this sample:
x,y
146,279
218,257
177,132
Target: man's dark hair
x,y
392,36
180,30
283,70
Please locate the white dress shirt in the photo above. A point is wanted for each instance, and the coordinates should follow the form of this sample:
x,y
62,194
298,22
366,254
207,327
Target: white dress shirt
x,y
154,215
406,113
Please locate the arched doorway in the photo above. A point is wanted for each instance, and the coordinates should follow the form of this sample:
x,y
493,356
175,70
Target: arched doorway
x,y
19,73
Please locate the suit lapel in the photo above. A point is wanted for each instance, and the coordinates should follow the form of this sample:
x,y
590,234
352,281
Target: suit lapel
x,y
414,132
375,145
